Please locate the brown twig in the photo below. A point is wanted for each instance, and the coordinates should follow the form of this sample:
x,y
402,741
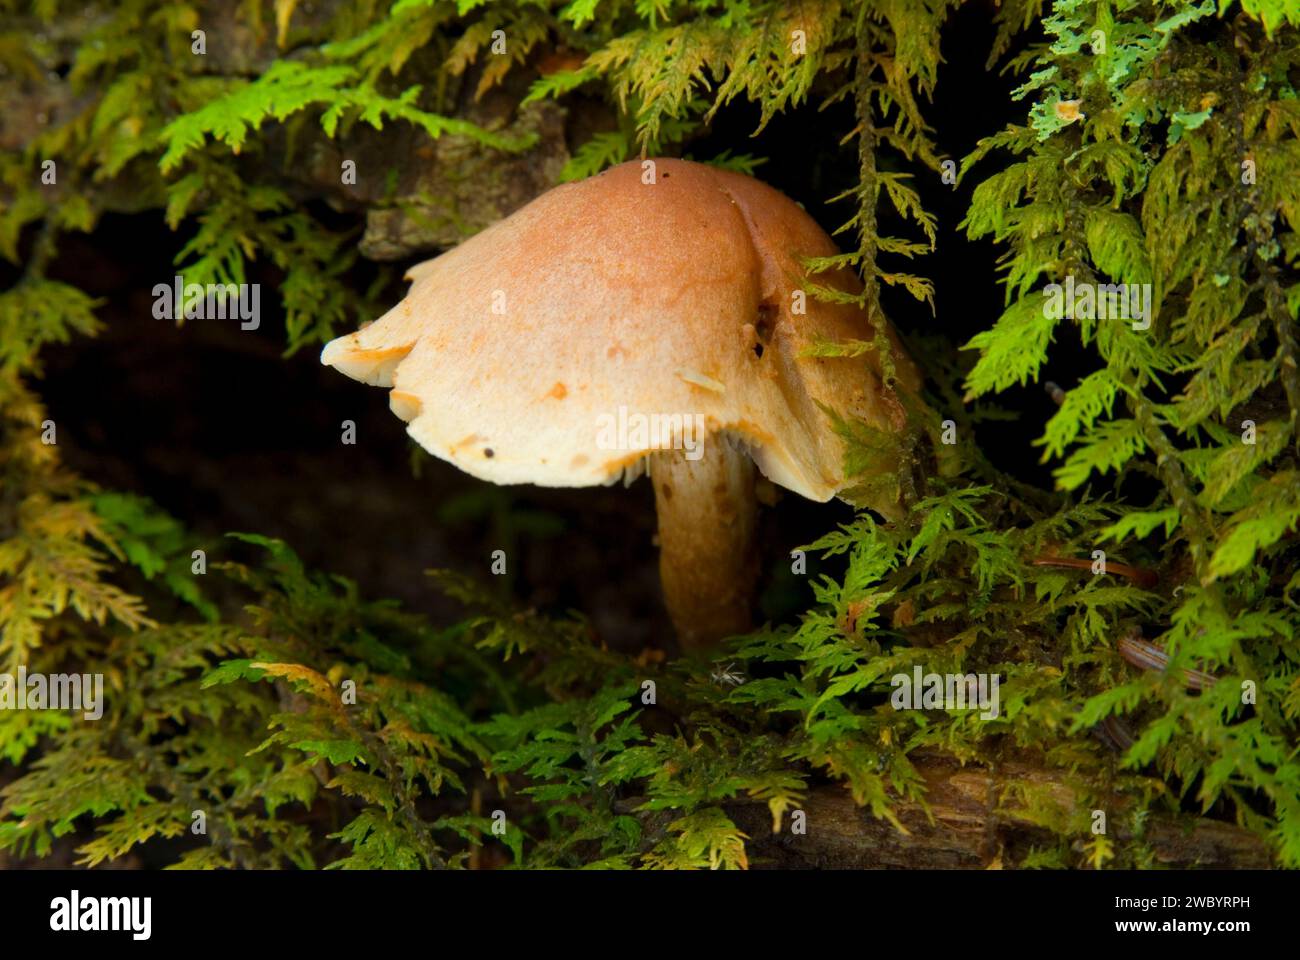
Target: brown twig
x,y
1146,579
1145,655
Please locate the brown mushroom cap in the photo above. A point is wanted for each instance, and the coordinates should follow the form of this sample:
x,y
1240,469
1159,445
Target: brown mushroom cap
x,y
666,297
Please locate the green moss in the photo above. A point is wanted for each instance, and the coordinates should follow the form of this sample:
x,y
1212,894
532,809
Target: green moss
x,y
321,728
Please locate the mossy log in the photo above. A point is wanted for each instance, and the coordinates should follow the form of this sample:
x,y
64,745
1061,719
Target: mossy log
x,y
973,825
418,194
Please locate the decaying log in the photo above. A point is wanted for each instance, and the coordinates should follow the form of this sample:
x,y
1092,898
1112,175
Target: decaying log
x,y
417,194
977,825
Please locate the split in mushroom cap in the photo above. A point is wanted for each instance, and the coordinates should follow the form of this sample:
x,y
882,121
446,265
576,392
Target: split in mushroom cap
x,y
512,353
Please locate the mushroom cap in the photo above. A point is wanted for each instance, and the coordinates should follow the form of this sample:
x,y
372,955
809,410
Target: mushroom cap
x,y
516,355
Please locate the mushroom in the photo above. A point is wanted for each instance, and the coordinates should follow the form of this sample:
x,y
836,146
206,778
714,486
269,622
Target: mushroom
x,y
649,319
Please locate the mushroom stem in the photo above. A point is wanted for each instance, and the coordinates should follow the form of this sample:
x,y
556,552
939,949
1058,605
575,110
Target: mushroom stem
x,y
707,558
